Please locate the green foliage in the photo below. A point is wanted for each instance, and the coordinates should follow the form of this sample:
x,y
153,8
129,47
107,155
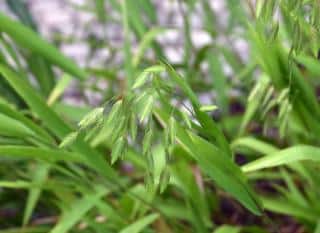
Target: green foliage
x,y
151,156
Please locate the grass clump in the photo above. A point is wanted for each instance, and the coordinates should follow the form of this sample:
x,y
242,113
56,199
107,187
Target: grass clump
x,y
152,155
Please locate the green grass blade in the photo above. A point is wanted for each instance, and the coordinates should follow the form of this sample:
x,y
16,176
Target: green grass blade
x,y
40,174
218,167
227,229
37,229
28,39
140,224
28,152
78,209
59,89
254,144
310,63
56,125
284,157
50,119
9,111
11,127
282,206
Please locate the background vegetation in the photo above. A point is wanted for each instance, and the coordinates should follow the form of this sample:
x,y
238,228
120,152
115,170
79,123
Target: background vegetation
x,y
220,141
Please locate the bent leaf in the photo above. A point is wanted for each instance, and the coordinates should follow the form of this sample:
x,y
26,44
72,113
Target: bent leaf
x,y
283,157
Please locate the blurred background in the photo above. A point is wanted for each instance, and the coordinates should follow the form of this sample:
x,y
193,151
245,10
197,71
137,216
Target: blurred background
x,y
91,33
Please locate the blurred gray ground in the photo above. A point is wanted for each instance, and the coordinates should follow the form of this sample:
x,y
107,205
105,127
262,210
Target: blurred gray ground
x,y
63,17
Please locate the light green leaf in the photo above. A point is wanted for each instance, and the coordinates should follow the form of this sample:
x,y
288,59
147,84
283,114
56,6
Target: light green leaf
x,y
310,63
68,140
254,144
208,108
284,157
227,229
59,89
117,150
91,118
147,108
142,78
147,141
139,225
